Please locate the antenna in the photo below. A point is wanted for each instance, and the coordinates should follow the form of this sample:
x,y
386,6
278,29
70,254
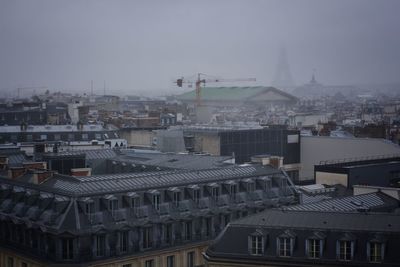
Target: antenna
x,y
91,87
104,89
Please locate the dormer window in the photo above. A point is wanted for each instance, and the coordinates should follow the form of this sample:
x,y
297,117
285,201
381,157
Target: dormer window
x,y
257,243
177,198
112,203
249,185
133,200
196,195
285,244
176,195
345,247
376,249
314,245
215,193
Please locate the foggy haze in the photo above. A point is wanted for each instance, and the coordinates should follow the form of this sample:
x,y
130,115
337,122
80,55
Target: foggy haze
x,y
142,46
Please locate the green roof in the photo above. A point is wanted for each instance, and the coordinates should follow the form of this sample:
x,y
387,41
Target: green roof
x,y
231,93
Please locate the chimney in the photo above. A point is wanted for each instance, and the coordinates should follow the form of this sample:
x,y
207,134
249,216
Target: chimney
x,y
39,176
81,172
15,172
24,126
35,165
79,126
276,161
3,162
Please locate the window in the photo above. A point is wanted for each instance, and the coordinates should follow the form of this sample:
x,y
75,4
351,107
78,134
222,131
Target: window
x,y
123,241
285,246
168,233
97,136
71,137
250,187
149,263
57,137
10,262
135,202
127,265
177,198
43,137
171,261
29,138
188,230
190,259
85,136
256,245
67,248
227,218
147,237
89,208
196,196
215,193
313,248
208,226
113,205
233,189
375,251
345,248
24,264
100,245
156,202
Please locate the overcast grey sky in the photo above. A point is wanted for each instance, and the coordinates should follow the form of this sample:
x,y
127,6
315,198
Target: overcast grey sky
x,y
139,46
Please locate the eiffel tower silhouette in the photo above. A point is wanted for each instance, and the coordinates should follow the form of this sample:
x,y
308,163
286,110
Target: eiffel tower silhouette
x,y
283,78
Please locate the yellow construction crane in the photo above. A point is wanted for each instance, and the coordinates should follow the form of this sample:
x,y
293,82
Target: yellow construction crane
x,y
199,81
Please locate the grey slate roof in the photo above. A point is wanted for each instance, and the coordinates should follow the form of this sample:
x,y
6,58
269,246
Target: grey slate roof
x,y
174,161
100,184
371,201
347,221
92,154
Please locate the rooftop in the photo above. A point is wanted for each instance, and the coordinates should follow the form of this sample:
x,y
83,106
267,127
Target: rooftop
x,y
234,93
117,183
348,221
373,201
173,160
55,128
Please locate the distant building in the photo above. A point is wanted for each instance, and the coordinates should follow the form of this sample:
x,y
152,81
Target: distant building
x,y
240,96
308,238
244,143
79,136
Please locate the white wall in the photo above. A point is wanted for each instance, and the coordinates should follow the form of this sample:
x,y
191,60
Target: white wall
x,y
314,149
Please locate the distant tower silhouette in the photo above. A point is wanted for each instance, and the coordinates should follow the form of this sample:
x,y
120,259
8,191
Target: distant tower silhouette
x,y
283,78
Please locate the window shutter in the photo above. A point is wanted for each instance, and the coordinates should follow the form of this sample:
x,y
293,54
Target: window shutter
x,y
264,243
277,246
368,251
321,247
383,245
307,248
291,246
249,244
352,249
338,249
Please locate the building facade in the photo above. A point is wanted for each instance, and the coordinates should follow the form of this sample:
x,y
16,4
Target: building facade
x,y
308,238
132,219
